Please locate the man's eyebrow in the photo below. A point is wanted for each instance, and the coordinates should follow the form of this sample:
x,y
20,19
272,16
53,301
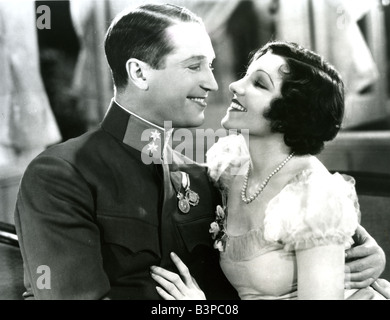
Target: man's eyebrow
x,y
194,58
261,70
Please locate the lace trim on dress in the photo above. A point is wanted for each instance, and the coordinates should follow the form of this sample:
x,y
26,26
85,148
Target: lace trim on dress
x,y
293,227
248,246
321,240
313,209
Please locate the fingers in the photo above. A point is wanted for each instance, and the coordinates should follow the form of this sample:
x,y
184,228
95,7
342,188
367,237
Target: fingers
x,y
362,294
164,294
195,283
359,252
359,265
360,273
358,284
361,233
359,280
183,270
373,263
383,287
171,284
367,274
170,281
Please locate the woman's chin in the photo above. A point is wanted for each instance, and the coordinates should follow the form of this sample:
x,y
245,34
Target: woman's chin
x,y
226,123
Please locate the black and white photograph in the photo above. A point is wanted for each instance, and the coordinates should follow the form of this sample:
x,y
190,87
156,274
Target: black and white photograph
x,y
207,150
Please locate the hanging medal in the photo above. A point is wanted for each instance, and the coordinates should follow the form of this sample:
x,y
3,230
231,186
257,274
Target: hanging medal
x,y
186,197
183,203
192,196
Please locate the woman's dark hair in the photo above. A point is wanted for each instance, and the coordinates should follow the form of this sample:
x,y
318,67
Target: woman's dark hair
x,y
311,106
140,33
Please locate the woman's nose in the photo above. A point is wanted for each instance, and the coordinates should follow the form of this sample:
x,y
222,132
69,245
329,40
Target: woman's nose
x,y
235,88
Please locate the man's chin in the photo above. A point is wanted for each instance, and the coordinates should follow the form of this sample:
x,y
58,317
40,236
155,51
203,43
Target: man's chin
x,y
193,123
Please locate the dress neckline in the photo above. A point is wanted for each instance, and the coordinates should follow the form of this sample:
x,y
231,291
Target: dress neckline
x,y
297,177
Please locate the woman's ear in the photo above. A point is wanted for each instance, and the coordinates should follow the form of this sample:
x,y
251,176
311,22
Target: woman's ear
x,y
136,72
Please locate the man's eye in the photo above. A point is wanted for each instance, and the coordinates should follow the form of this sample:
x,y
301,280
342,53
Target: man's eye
x,y
195,67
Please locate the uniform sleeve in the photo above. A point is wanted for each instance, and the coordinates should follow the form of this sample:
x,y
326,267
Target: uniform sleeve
x,y
54,219
313,210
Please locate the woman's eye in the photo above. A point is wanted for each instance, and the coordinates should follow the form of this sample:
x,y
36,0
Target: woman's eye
x,y
260,85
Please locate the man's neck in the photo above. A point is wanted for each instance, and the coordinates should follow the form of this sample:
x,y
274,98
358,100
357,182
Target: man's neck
x,y
136,115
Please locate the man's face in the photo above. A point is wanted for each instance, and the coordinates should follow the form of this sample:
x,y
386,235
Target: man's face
x,y
178,92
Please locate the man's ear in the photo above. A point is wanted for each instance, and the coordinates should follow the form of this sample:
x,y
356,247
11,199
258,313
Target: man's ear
x,y
136,70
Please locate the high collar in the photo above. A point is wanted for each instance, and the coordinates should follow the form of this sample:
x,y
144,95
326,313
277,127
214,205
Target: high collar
x,y
151,140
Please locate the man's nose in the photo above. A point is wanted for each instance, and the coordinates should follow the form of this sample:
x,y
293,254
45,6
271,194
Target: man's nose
x,y
209,83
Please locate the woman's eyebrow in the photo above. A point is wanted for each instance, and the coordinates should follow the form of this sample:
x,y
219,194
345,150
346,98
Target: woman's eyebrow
x,y
261,70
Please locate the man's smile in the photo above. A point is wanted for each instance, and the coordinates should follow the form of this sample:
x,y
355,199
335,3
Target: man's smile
x,y
199,100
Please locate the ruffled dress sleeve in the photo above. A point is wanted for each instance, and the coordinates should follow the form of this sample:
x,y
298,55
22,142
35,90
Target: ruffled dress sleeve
x,y
225,159
314,209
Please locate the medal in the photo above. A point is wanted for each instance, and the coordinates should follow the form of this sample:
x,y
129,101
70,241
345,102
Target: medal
x,y
186,197
183,203
192,196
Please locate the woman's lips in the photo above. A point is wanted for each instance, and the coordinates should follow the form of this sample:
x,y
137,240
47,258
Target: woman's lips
x,y
236,106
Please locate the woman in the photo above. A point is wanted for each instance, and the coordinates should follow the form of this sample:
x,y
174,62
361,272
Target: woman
x,y
287,220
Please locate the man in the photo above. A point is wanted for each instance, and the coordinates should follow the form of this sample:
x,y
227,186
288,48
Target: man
x,y
94,213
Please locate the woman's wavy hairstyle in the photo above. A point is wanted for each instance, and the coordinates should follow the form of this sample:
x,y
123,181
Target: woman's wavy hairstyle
x,y
311,106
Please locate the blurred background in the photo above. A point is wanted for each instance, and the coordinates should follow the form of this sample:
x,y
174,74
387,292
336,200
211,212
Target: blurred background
x,y
56,84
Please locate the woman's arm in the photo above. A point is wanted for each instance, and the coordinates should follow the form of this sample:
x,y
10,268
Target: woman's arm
x,y
321,273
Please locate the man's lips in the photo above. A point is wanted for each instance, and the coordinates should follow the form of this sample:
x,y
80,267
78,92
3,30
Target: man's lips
x,y
199,100
236,106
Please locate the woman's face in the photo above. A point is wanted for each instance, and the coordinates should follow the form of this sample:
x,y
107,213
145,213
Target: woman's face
x,y
253,94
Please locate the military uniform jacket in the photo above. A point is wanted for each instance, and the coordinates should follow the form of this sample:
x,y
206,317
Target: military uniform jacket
x,y
95,212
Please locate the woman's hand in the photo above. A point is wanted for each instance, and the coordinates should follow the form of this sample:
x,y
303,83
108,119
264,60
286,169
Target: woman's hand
x,y
175,287
365,262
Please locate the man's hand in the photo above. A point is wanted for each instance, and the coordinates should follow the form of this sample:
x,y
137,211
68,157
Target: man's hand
x,y
365,262
379,290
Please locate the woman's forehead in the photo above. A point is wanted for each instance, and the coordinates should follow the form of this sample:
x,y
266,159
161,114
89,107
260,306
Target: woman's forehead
x,y
269,62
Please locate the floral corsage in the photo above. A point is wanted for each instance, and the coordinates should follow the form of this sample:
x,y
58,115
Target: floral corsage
x,y
217,229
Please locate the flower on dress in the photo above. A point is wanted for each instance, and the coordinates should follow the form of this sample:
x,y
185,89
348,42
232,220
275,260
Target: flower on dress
x,y
217,229
214,229
226,159
218,244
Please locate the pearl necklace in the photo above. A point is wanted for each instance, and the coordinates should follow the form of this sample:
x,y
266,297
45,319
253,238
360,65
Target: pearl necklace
x,y
263,185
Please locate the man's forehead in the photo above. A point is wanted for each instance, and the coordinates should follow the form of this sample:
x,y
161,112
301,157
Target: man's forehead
x,y
191,42
195,58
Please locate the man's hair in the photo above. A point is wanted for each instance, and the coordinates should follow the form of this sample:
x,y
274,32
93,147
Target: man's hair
x,y
310,109
140,33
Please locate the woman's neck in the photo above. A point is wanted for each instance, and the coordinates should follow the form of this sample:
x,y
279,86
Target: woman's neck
x,y
267,153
